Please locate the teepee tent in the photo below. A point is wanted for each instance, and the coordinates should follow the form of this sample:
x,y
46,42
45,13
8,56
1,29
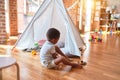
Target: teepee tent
x,y
51,13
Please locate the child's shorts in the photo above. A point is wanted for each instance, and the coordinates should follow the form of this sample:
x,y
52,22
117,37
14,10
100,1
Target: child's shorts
x,y
49,64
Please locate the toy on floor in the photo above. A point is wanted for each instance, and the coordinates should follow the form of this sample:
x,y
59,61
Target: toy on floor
x,y
33,52
96,37
37,47
83,63
36,44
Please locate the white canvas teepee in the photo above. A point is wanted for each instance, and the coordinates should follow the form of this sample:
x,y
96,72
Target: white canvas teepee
x,y
51,13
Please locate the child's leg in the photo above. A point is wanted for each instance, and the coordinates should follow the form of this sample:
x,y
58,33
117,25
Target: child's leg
x,y
66,62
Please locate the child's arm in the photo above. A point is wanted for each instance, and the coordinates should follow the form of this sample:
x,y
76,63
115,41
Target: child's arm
x,y
60,52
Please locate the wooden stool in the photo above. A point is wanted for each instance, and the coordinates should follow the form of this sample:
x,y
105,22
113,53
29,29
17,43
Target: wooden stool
x,y
7,62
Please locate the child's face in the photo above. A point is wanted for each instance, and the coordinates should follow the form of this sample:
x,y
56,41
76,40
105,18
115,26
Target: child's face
x,y
54,41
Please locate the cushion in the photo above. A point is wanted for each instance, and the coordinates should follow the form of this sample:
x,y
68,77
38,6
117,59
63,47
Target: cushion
x,y
41,42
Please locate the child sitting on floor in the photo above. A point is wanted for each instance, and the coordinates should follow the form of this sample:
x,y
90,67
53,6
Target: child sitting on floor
x,y
49,57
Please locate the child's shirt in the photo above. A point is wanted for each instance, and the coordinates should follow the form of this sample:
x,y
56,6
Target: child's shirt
x,y
46,52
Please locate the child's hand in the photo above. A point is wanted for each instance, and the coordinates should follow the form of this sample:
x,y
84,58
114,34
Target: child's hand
x,y
54,55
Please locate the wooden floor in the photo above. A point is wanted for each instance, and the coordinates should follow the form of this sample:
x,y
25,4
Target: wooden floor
x,y
103,63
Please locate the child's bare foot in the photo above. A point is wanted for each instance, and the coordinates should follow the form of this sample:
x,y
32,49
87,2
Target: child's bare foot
x,y
74,65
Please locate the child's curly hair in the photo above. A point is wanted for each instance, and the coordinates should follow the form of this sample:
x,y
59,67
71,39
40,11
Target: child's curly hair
x,y
53,33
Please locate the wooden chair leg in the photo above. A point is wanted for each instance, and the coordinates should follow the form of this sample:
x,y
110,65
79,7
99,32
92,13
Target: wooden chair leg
x,y
18,71
0,74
